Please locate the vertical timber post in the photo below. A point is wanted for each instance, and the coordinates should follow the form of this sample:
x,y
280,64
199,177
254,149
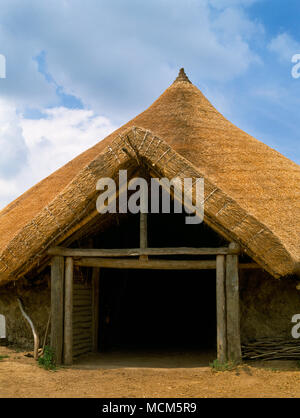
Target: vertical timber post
x,y
232,306
143,233
95,289
68,323
144,223
57,306
221,309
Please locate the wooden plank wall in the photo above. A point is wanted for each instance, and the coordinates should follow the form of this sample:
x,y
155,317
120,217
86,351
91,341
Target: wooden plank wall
x,y
82,313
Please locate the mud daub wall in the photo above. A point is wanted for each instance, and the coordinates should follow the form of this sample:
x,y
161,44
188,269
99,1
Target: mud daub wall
x,y
267,305
36,295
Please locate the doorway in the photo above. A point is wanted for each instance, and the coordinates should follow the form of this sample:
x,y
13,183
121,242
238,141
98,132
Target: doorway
x,y
165,310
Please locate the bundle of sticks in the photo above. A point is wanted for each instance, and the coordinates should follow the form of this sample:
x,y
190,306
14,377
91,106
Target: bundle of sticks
x,y
272,349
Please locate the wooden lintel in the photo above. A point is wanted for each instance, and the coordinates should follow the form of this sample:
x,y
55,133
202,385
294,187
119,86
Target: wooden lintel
x,y
144,264
249,266
136,252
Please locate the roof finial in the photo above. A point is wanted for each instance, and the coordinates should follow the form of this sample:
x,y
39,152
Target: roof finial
x,y
182,76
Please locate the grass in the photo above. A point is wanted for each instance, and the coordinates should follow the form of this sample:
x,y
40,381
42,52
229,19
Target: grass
x,y
3,357
47,360
222,367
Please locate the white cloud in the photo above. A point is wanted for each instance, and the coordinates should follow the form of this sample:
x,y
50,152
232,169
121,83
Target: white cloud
x,y
107,53
48,143
61,135
222,4
284,46
271,92
113,56
13,153
9,190
234,23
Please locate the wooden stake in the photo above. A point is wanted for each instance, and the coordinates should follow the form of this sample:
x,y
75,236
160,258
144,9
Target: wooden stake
x,y
57,306
221,309
46,333
33,329
68,330
232,308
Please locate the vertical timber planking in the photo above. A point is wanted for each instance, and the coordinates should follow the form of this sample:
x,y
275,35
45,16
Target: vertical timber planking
x,y
232,307
221,309
82,313
57,306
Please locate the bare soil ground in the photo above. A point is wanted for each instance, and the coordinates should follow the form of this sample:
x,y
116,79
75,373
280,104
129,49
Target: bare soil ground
x,y
145,375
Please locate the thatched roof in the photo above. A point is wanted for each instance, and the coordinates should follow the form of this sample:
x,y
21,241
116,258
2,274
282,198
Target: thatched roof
x,y
252,191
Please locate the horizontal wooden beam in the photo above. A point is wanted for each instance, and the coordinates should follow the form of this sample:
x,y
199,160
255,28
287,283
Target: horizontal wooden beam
x,y
136,252
146,264
153,264
249,266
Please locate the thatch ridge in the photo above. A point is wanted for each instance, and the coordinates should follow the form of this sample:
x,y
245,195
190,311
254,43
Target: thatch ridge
x,y
262,182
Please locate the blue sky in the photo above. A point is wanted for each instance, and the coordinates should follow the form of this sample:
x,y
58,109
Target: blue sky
x,y
76,70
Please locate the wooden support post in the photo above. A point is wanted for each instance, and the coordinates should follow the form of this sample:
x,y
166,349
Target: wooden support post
x,y
57,306
95,290
221,309
143,234
144,222
143,230
68,329
232,308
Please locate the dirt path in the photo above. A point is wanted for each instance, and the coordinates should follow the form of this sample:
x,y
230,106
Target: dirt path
x,y
21,377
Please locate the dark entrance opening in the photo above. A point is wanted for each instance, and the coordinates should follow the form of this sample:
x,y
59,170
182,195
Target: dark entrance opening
x,y
157,309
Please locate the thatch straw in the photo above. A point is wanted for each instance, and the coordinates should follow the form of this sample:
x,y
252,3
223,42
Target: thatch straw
x,y
252,191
